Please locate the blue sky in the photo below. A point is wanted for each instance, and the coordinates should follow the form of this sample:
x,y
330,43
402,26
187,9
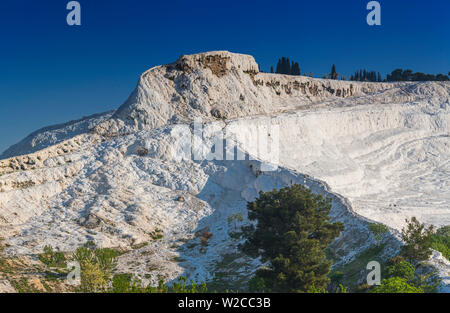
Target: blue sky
x,y
51,72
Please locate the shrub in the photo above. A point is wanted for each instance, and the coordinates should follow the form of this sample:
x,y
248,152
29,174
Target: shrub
x,y
417,239
161,288
256,284
396,285
93,279
402,269
125,283
441,241
336,276
107,259
378,230
52,258
96,265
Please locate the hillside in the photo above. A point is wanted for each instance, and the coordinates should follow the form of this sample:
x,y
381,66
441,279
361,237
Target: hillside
x,y
380,150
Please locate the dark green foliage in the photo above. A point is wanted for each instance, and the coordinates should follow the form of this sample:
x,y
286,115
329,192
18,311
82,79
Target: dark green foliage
x,y
378,230
366,76
441,241
52,258
408,75
401,269
336,276
284,66
333,74
106,258
125,283
182,286
417,239
292,233
295,70
403,277
257,284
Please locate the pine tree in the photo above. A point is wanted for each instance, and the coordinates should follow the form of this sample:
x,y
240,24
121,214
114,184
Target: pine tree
x,y
293,231
418,240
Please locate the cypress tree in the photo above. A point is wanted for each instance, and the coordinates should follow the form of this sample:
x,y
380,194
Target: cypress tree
x,y
288,66
333,74
278,66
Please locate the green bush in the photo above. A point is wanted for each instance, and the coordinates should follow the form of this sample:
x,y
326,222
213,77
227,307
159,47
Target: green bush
x,y
52,258
93,279
256,285
97,266
378,230
396,285
441,241
125,283
182,286
402,269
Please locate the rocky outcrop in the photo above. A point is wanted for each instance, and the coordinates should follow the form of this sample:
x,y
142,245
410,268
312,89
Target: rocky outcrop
x,y
223,85
220,84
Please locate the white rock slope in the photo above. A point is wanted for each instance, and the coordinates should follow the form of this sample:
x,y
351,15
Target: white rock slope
x,y
380,150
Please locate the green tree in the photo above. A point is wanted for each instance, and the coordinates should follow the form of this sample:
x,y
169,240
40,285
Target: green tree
x,y
396,285
295,68
333,74
378,230
292,233
418,240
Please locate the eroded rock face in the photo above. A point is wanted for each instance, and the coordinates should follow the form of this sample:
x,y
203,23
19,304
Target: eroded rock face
x,y
5,287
